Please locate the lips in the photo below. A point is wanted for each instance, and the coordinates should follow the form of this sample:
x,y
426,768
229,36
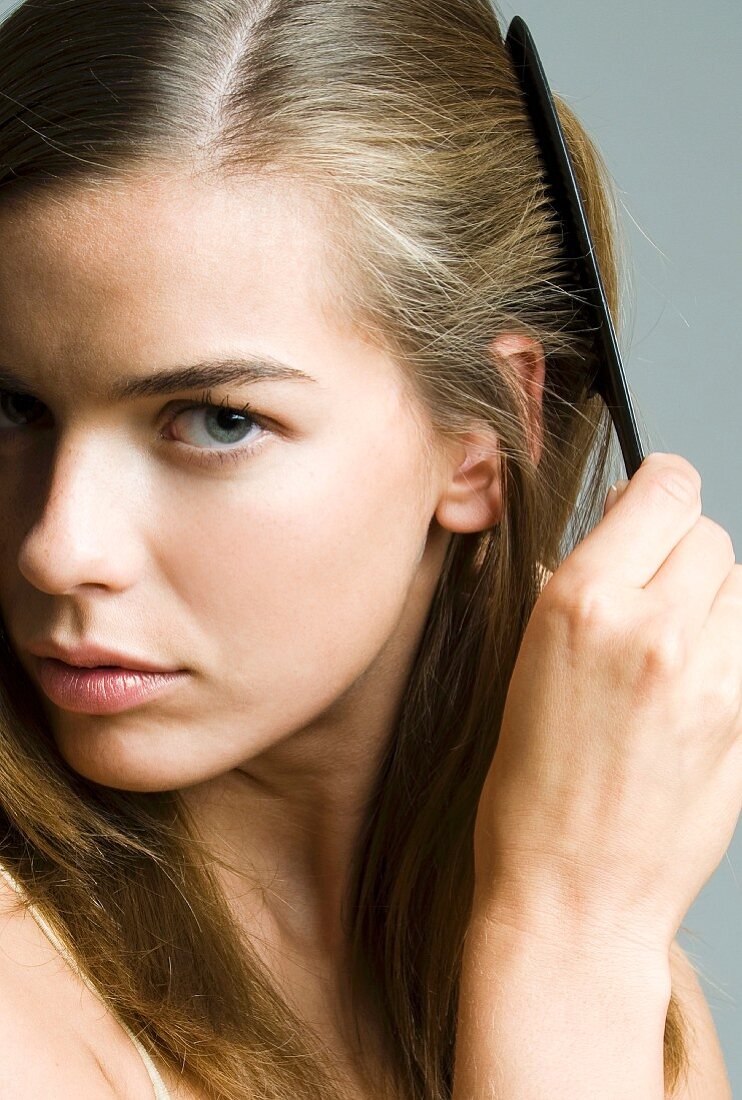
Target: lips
x,y
90,655
102,690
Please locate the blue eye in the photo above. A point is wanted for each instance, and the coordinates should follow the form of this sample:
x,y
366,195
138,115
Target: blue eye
x,y
223,423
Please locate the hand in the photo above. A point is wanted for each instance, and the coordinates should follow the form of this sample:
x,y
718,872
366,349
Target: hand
x,y
617,780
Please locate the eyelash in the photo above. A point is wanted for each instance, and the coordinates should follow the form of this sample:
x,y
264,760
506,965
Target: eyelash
x,y
199,456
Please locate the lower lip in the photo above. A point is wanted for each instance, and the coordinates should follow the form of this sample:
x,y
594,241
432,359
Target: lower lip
x,y
102,690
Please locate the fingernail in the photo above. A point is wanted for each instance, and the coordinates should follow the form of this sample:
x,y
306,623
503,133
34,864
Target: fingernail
x,y
614,494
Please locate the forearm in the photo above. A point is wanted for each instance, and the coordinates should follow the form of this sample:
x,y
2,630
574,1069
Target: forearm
x,y
554,1016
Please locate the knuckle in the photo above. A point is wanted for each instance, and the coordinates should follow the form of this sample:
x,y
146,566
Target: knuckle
x,y
726,689
586,606
678,486
664,650
675,476
733,586
720,534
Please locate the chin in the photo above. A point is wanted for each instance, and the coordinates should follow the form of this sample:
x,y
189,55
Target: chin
x,y
119,766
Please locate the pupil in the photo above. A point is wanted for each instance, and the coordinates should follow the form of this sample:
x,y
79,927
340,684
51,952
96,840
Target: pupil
x,y
227,421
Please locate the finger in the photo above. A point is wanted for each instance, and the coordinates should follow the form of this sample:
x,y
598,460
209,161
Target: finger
x,y
721,640
693,573
661,504
725,615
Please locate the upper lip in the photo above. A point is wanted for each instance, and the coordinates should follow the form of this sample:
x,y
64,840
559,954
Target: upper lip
x,y
91,656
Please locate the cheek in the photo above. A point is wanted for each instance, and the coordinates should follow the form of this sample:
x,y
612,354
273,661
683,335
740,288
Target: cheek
x,y
298,575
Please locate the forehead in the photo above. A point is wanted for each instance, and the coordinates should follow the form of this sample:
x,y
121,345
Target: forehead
x,y
122,271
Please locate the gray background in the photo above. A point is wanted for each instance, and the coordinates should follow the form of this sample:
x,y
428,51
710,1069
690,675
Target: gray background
x,y
654,83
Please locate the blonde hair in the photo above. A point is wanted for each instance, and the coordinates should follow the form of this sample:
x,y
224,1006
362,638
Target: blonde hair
x,y
406,121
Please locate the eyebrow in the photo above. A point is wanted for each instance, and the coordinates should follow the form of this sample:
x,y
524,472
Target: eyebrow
x,y
217,371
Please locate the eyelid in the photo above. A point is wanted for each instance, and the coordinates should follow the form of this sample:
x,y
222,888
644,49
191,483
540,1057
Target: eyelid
x,y
241,408
206,398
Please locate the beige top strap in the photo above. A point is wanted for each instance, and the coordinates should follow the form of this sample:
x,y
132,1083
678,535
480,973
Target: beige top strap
x,y
161,1092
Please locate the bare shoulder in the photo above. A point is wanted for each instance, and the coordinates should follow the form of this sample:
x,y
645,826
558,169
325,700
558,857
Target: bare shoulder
x,y
707,1077
41,1051
34,1061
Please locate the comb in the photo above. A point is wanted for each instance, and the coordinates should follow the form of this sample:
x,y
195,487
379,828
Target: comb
x,y
609,380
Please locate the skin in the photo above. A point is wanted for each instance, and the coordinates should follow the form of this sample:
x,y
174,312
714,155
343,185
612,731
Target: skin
x,y
293,584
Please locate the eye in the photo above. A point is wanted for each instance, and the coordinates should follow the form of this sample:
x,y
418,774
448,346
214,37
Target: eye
x,y
208,422
16,406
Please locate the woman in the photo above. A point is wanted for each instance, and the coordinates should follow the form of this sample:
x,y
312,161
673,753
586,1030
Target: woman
x,y
294,421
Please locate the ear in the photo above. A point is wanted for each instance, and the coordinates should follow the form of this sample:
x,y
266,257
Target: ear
x,y
472,497
523,358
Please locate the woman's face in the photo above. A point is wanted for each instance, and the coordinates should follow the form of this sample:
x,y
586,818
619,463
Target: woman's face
x,y
277,578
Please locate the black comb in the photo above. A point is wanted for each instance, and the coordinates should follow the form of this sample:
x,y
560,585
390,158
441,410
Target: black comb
x,y
609,380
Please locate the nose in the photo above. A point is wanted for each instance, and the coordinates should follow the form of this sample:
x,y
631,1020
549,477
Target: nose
x,y
82,535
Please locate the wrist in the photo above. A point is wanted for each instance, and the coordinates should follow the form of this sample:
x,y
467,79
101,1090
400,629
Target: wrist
x,y
544,924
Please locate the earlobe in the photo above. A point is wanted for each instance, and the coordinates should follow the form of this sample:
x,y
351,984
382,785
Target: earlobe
x,y
473,497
